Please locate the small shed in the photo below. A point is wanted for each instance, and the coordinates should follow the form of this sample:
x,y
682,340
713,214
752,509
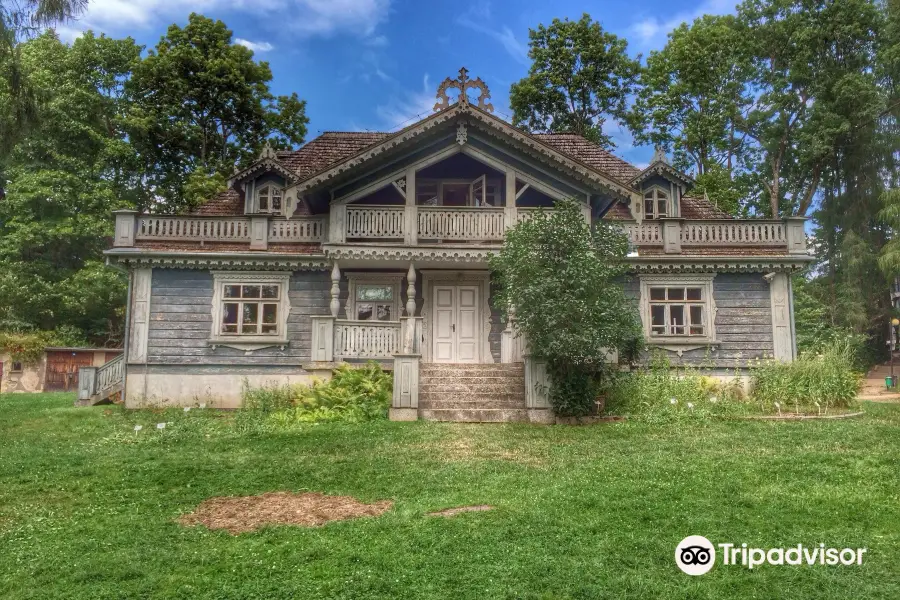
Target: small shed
x,y
56,371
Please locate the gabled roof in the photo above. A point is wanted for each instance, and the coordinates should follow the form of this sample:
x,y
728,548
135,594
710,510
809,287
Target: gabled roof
x,y
699,207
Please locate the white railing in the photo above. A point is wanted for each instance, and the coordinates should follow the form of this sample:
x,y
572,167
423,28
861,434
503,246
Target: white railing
x,y
734,233
375,222
523,213
462,223
366,339
307,229
193,229
111,374
647,232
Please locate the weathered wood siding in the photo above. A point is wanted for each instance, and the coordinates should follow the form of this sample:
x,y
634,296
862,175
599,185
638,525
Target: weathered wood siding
x,y
743,321
181,320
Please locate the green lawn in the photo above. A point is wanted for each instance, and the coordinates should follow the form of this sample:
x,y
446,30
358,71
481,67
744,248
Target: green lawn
x,y
87,506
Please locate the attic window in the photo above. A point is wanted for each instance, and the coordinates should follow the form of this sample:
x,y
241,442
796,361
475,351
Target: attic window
x,y
656,204
268,199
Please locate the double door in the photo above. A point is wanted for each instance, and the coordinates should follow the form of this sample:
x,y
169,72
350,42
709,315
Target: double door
x,y
456,318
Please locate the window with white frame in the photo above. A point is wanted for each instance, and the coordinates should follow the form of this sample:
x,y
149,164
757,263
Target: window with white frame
x,y
656,204
269,199
676,309
250,307
373,297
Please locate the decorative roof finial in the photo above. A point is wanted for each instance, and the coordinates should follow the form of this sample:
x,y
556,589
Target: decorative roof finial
x,y
267,151
659,155
463,83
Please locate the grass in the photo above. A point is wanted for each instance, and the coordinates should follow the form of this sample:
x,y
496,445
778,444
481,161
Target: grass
x,y
87,506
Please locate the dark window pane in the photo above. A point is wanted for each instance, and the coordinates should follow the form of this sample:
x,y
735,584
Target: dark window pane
x,y
657,315
696,330
270,312
657,293
649,195
696,315
661,194
693,294
229,328
663,207
363,312
276,202
648,207
676,314
230,313
232,291
676,293
248,328
658,330
251,313
677,330
270,291
251,291
270,329
383,312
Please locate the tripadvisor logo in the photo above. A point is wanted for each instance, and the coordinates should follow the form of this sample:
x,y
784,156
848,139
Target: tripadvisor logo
x,y
696,555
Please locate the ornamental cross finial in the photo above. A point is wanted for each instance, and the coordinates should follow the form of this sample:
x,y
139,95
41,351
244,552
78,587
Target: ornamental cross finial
x,y
463,84
659,155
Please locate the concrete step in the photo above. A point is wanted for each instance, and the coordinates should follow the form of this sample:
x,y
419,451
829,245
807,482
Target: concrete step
x,y
444,370
456,387
450,400
478,415
464,380
481,403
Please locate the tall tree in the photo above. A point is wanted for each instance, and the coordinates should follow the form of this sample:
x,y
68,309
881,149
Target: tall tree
x,y
580,76
201,105
814,85
65,177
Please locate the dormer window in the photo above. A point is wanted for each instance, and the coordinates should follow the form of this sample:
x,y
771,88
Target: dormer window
x,y
656,204
268,199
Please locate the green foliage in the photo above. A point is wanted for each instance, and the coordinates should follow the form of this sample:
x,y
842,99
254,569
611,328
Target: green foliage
x,y
351,395
813,382
692,95
580,76
816,329
201,105
663,394
564,281
28,346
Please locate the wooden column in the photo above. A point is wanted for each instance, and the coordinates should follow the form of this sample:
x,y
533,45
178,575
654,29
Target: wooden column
x,y
510,212
411,291
782,332
337,224
126,228
140,316
335,305
410,211
796,235
259,232
671,234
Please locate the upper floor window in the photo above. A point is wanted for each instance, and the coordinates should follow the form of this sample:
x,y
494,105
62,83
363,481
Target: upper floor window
x,y
458,192
268,199
656,204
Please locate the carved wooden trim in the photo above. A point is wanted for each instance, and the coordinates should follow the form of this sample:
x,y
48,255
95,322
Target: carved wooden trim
x,y
249,342
677,343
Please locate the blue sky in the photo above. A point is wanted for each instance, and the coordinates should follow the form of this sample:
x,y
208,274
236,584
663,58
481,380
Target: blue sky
x,y
376,64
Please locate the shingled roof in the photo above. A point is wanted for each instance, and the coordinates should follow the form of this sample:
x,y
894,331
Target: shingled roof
x,y
699,207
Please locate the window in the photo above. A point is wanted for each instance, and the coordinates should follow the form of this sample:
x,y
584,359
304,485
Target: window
x,y
374,302
268,199
459,192
678,310
656,204
16,367
373,296
250,308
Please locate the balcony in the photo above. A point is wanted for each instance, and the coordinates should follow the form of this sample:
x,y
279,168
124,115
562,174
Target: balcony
x,y
673,234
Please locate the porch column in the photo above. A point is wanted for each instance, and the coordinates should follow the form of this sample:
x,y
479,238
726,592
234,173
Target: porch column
x,y
335,305
410,216
510,346
510,212
782,334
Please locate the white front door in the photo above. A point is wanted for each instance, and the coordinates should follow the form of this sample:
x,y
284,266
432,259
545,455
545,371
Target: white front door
x,y
456,331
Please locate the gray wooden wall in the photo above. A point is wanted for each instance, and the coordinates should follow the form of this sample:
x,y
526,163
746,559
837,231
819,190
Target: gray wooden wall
x,y
181,320
743,322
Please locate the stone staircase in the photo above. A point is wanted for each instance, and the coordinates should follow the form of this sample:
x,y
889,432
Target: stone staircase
x,y
472,393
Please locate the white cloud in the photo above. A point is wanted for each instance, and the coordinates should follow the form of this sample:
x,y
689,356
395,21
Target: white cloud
x,y
255,46
398,113
650,33
477,18
306,17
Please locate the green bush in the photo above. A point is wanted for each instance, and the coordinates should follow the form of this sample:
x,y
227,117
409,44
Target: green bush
x,y
661,393
352,394
814,382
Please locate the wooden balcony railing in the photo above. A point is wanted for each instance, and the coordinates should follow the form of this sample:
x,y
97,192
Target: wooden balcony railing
x,y
460,223
366,339
673,234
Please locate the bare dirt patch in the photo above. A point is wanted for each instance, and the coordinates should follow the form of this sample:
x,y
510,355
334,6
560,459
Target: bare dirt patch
x,y
241,514
452,512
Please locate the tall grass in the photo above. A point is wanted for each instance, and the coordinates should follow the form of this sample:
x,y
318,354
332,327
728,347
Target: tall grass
x,y
815,382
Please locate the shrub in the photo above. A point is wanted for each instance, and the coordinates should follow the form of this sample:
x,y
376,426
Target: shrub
x,y
352,394
825,378
564,280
